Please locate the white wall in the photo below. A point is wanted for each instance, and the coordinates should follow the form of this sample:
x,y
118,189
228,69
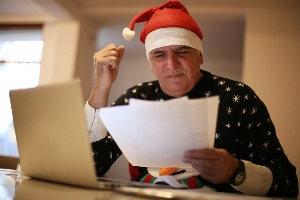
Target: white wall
x,y
60,50
68,51
271,67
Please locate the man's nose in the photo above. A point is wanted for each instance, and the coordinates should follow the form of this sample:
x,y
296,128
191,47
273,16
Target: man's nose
x,y
172,61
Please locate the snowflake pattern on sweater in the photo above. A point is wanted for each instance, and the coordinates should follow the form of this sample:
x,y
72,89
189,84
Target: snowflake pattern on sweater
x,y
244,129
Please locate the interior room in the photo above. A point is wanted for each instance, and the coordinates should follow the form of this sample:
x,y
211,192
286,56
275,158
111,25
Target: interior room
x,y
255,42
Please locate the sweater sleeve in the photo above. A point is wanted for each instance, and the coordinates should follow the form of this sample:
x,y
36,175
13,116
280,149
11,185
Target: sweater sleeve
x,y
268,170
258,182
105,150
96,128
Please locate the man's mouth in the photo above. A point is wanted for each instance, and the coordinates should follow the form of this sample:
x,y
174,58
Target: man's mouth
x,y
175,75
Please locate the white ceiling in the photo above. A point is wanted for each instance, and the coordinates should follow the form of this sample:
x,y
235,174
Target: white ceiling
x,y
221,31
99,11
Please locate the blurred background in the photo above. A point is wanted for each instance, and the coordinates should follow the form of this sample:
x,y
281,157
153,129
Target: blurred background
x,y
256,42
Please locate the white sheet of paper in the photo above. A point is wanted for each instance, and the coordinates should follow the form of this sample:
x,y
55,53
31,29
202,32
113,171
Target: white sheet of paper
x,y
157,133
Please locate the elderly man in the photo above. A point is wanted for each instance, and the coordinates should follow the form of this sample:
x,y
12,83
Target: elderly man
x,y
247,156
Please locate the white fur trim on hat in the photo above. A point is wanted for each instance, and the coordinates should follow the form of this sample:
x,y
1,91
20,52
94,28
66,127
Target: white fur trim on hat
x,y
172,36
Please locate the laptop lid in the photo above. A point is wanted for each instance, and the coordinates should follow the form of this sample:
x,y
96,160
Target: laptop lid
x,y
51,134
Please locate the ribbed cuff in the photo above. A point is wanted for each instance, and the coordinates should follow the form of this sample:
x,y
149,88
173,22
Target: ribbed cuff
x,y
96,128
258,180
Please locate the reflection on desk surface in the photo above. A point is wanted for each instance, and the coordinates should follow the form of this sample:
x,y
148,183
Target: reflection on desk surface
x,y
36,189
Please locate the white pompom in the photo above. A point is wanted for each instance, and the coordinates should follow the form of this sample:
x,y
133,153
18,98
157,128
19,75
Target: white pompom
x,y
128,34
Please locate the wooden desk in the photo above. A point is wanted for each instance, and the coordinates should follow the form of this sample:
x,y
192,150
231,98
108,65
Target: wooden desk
x,y
37,189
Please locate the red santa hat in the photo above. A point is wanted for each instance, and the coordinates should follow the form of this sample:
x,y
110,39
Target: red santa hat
x,y
167,24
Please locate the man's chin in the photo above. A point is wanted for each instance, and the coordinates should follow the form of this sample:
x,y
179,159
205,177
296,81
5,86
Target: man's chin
x,y
175,91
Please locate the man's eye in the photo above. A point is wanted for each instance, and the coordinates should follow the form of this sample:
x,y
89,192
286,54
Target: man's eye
x,y
159,55
182,52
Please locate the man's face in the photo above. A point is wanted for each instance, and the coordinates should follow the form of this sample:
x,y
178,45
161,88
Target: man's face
x,y
177,68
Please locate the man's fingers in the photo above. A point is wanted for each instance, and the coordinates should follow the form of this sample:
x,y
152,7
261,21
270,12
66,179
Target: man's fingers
x,y
120,50
201,154
106,54
109,56
109,62
109,48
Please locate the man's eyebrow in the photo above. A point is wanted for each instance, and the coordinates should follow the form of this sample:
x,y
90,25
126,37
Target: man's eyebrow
x,y
183,48
158,51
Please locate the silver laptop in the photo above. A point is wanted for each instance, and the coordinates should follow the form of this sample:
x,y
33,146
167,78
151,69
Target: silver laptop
x,y
52,136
